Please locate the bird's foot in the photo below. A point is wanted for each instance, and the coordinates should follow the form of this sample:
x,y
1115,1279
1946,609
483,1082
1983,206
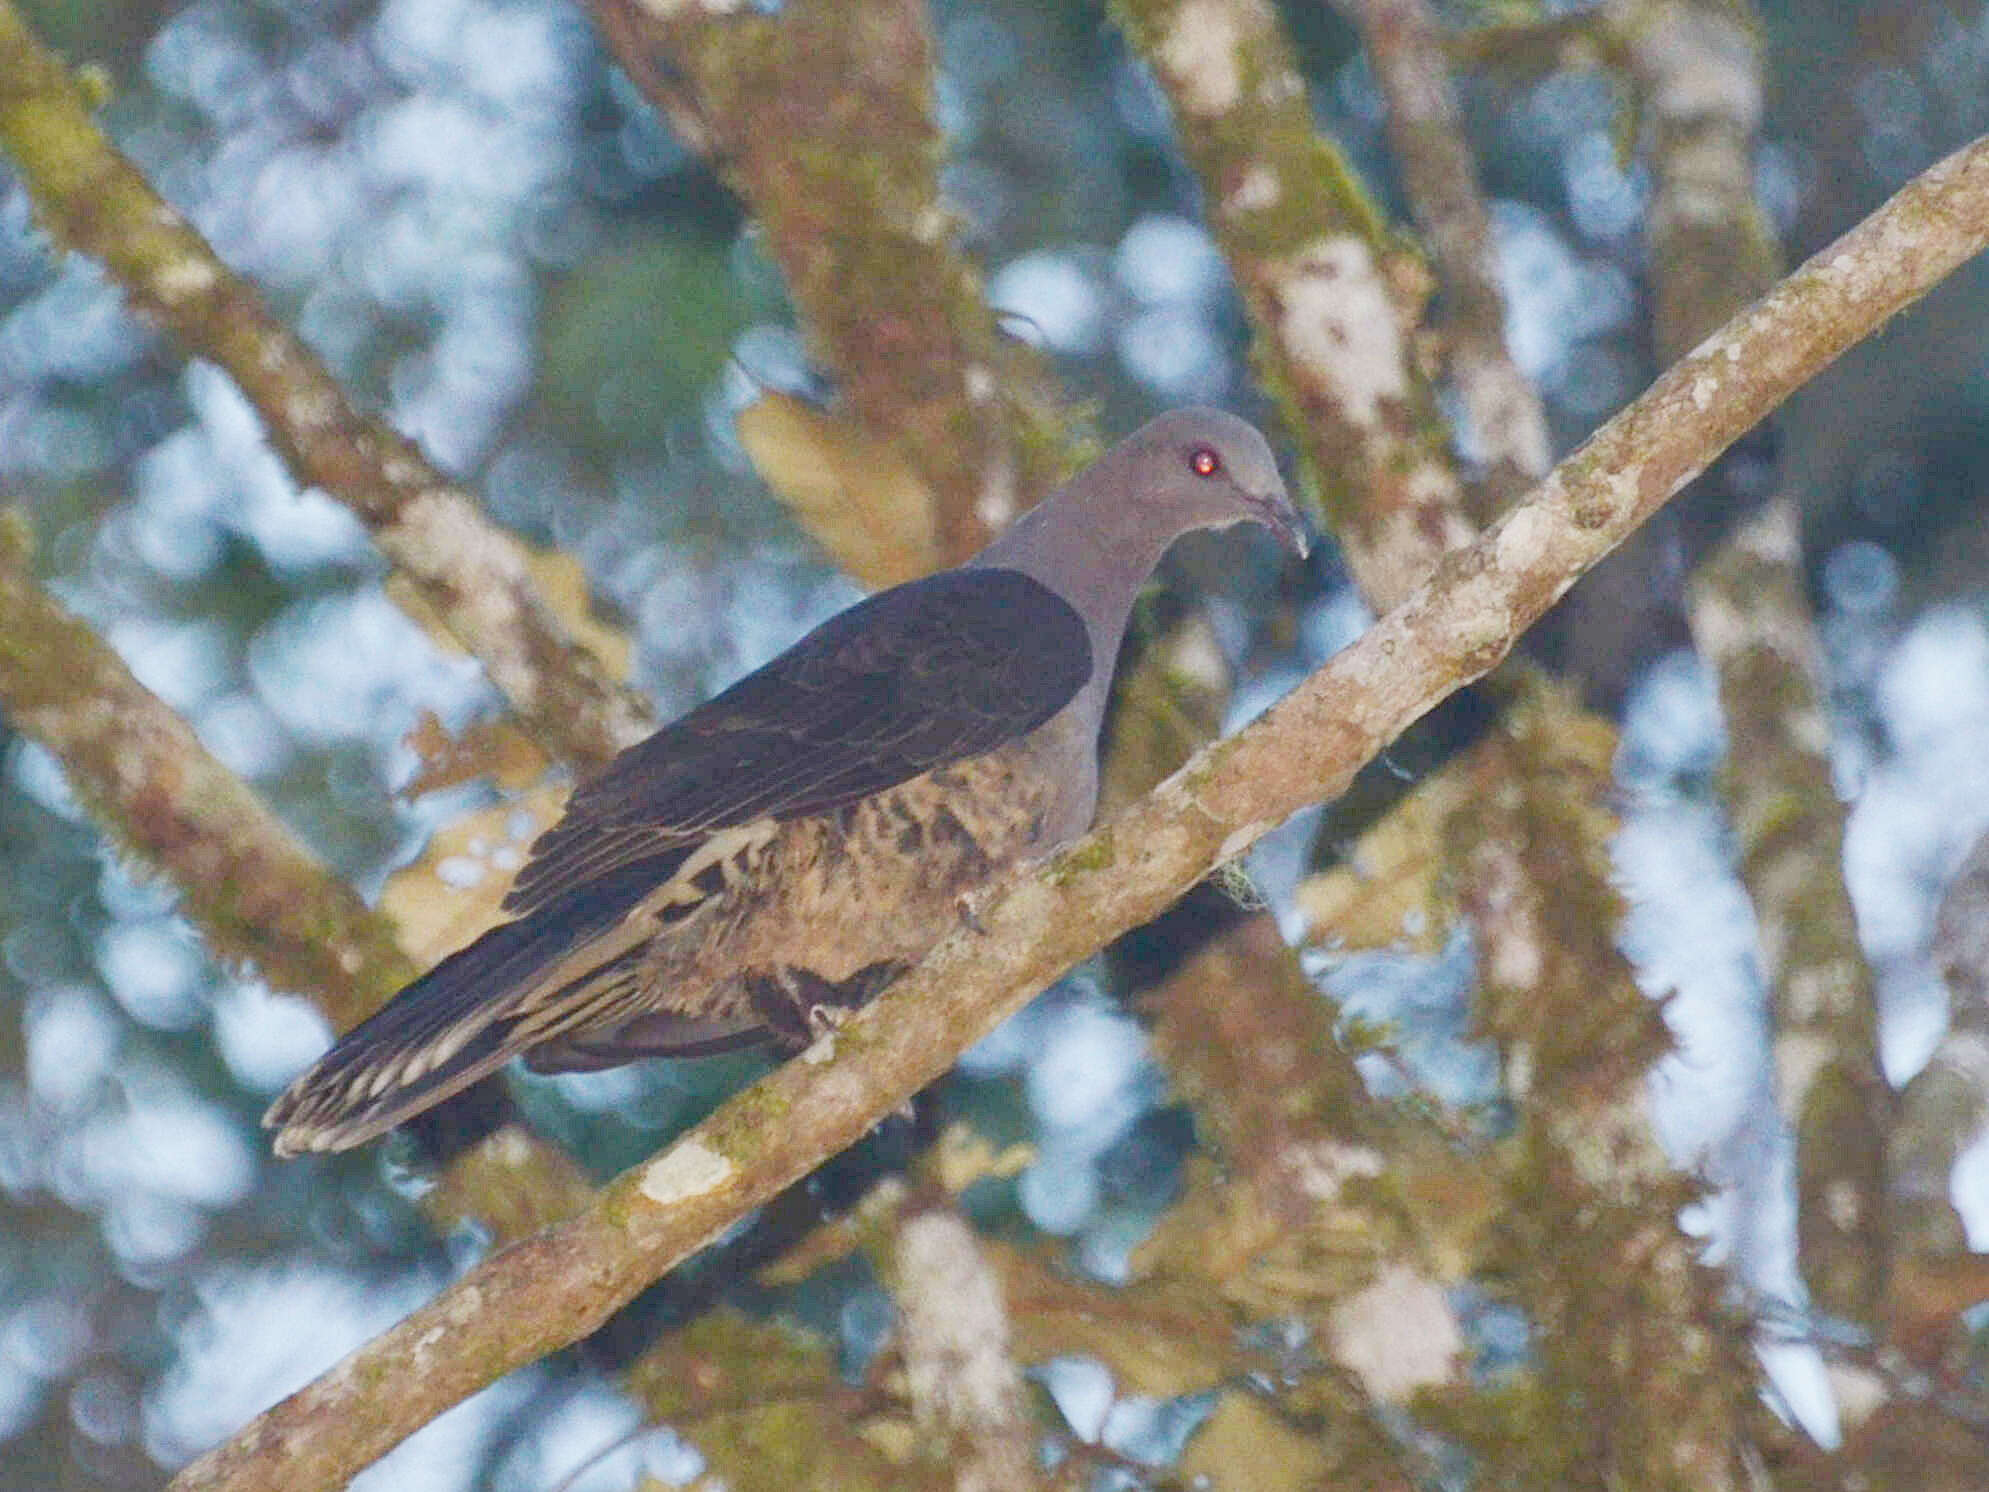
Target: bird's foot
x,y
826,1020
970,907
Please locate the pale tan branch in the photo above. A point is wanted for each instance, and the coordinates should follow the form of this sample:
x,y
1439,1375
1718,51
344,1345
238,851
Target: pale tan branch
x,y
553,1288
959,1365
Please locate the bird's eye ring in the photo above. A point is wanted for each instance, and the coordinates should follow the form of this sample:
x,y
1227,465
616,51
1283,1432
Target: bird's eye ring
x,y
1204,462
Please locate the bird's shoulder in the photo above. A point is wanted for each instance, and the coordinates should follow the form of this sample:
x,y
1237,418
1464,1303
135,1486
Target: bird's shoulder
x,y
915,677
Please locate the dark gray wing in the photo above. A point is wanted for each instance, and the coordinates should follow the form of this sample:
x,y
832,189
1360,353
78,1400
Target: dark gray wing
x,y
921,675
918,676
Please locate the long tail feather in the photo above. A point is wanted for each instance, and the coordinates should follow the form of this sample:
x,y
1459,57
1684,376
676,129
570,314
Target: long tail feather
x,y
572,963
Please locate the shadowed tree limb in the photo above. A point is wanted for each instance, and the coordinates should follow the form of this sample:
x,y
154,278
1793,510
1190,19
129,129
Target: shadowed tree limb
x,y
1943,1111
551,1289
1311,255
1542,917
1641,1372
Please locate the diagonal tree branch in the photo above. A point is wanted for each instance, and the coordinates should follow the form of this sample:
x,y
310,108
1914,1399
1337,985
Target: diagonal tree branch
x,y
553,1288
91,199
256,892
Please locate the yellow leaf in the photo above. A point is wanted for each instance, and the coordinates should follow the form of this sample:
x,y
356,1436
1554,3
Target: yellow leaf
x,y
1389,892
454,891
853,494
1244,1447
563,582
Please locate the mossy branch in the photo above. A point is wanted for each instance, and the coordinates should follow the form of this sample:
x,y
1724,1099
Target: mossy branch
x,y
1332,296
257,894
1507,421
473,575
1696,67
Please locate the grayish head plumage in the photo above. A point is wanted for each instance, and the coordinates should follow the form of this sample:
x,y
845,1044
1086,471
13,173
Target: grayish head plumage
x,y
1096,540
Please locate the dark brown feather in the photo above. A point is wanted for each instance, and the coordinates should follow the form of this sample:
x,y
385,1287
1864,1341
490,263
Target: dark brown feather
x,y
803,837
767,818
930,672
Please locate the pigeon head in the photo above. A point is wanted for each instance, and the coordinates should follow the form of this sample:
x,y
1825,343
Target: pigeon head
x,y
1097,539
1202,468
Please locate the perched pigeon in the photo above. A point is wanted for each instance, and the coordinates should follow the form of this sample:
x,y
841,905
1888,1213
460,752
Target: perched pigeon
x,y
796,843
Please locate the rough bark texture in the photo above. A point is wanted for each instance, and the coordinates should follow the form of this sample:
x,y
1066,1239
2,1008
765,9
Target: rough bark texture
x,y
1332,298
1697,67
959,1368
1507,424
255,891
1641,1378
256,894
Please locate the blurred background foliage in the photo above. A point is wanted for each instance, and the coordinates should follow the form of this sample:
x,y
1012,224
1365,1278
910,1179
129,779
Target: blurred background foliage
x,y
488,236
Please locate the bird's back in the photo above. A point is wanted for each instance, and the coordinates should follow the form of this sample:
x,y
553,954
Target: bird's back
x,y
784,847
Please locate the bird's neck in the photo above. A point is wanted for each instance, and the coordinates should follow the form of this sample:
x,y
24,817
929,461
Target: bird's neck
x,y
1093,559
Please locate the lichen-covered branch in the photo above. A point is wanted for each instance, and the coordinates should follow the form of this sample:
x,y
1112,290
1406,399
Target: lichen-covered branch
x,y
1290,1224
1331,297
1314,1216
1526,853
959,1369
472,574
1696,65
1934,1277
1311,257
1037,922
258,895
1751,622
1508,425
768,1408
821,116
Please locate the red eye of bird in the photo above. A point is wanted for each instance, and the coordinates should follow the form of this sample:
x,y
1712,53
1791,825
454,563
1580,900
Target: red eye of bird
x,y
1204,462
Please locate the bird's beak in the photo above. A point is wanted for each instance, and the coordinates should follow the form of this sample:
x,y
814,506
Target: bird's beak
x,y
1282,519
